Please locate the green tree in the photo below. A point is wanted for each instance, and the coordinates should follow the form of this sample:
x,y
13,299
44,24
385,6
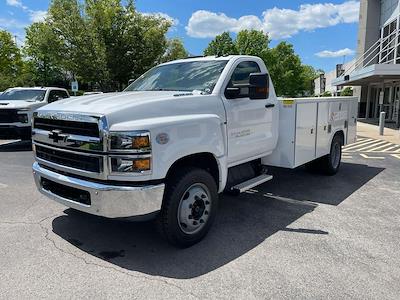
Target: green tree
x,y
286,70
308,75
326,94
252,42
175,50
99,42
83,55
11,64
348,91
127,43
221,45
44,50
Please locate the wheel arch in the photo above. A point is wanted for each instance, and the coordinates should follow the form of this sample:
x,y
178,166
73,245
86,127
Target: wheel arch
x,y
204,160
340,133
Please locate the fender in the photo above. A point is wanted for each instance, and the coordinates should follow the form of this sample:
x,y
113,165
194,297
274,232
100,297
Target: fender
x,y
186,135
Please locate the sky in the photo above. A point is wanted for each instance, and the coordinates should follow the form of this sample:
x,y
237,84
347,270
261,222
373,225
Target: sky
x,y
323,33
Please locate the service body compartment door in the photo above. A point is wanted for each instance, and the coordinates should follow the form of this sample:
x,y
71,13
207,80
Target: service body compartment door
x,y
338,117
323,135
352,123
306,121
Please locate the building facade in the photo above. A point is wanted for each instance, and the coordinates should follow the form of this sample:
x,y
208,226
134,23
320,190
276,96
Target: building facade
x,y
324,83
377,67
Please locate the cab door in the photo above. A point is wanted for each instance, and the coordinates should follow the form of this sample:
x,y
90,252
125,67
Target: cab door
x,y
250,129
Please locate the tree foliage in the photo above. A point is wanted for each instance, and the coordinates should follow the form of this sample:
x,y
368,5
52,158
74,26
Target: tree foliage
x,y
221,45
290,76
45,54
348,91
11,64
252,42
175,50
100,42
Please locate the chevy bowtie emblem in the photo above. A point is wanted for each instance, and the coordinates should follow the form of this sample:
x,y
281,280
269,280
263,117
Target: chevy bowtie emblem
x,y
56,136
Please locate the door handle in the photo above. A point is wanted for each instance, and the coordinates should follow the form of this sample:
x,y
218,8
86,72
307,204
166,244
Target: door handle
x,y
269,105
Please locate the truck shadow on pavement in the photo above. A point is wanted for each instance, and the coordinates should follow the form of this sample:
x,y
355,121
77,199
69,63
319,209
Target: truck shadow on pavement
x,y
16,146
243,223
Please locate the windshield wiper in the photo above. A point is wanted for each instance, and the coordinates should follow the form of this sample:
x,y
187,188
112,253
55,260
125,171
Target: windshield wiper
x,y
165,90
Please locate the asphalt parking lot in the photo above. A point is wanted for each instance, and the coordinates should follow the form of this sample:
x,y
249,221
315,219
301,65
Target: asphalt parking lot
x,y
299,236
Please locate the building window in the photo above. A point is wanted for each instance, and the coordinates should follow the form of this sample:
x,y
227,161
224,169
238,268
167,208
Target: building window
x,y
388,8
388,42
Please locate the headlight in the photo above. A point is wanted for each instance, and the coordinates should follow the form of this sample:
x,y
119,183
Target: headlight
x,y
23,118
130,165
136,141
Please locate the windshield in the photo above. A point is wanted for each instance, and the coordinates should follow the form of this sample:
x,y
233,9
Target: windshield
x,y
27,95
186,76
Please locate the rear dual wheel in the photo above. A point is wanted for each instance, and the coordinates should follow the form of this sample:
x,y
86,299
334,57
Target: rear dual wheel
x,y
189,207
329,164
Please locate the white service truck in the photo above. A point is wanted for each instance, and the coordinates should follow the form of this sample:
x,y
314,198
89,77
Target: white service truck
x,y
18,104
177,137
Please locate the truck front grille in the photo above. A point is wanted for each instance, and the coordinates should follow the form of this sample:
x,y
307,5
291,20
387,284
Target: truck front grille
x,y
68,159
69,127
8,116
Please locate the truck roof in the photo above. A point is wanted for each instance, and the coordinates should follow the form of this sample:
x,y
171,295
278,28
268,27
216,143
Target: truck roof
x,y
209,58
42,88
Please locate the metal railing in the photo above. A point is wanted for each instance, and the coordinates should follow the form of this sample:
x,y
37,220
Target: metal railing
x,y
379,53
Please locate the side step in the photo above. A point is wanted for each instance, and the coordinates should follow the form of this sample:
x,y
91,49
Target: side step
x,y
249,184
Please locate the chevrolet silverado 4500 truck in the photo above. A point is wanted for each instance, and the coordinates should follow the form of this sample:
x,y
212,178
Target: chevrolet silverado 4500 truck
x,y
177,137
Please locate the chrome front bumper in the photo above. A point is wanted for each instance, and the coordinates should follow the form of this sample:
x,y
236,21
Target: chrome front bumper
x,y
106,200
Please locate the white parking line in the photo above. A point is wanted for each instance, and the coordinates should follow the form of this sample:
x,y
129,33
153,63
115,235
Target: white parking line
x,y
396,156
354,146
369,146
391,148
359,141
371,157
387,144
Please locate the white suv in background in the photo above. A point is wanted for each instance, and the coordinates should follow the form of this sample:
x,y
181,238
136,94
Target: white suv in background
x,y
18,104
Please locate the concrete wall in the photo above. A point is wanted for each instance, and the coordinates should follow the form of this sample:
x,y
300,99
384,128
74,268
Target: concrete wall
x,y
369,25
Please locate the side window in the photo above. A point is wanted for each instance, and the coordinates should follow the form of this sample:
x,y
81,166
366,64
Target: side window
x,y
57,95
63,94
52,96
241,76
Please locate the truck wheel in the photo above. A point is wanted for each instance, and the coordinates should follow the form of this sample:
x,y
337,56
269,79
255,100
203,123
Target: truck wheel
x,y
189,207
330,164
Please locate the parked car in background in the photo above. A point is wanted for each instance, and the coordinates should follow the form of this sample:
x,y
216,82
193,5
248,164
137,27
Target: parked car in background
x,y
18,104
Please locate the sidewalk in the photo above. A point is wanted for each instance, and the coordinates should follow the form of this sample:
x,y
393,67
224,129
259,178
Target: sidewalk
x,y
372,131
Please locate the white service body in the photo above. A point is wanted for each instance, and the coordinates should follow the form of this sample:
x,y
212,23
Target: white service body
x,y
307,126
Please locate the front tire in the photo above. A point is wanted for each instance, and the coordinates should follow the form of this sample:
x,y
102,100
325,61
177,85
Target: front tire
x,y
189,207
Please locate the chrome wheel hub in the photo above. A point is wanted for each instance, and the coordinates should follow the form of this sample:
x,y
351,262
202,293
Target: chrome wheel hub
x,y
194,208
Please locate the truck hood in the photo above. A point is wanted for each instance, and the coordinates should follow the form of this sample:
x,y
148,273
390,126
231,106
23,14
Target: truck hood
x,y
129,106
20,104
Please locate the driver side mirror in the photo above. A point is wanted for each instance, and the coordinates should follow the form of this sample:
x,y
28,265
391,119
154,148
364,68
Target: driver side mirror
x,y
232,92
259,86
